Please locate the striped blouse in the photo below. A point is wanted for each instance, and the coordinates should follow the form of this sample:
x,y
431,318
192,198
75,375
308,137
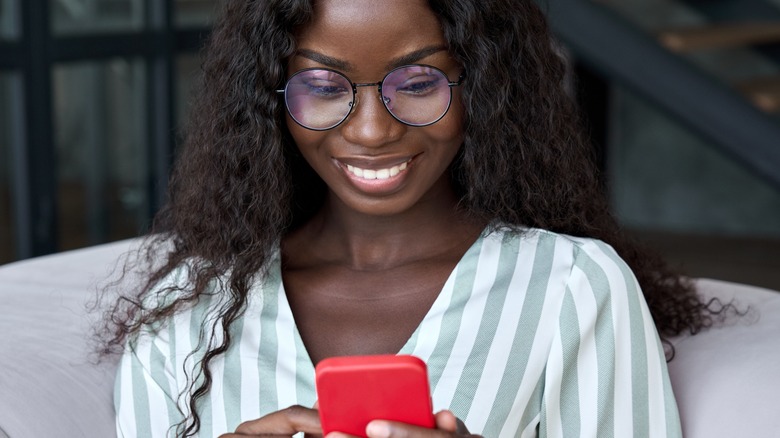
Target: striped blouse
x,y
534,334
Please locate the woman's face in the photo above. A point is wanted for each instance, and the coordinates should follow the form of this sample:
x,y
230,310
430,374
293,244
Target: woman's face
x,y
364,40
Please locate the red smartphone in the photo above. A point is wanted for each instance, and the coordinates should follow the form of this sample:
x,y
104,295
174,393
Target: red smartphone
x,y
353,390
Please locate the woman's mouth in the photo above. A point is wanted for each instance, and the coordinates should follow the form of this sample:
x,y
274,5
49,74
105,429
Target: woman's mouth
x,y
377,173
376,180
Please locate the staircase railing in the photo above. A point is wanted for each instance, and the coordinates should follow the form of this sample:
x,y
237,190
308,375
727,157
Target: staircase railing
x,y
610,45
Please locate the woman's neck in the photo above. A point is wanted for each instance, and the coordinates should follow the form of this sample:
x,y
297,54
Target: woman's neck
x,y
336,234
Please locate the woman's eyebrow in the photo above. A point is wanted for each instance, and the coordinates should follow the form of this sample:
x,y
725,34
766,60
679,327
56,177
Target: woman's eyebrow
x,y
329,61
412,57
339,64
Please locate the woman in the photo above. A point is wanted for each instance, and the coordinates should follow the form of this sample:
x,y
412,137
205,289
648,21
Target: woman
x,y
366,177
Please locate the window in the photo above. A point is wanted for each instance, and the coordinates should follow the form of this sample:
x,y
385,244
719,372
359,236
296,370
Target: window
x,y
90,95
102,163
8,19
194,13
96,16
187,68
8,142
667,178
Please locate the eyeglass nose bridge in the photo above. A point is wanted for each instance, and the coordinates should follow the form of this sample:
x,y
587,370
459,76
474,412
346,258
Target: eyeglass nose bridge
x,y
378,86
356,98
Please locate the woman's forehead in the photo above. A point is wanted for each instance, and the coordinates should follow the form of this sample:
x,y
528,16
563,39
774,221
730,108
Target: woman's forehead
x,y
362,31
372,19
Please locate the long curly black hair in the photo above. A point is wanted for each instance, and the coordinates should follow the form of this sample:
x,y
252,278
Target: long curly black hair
x,y
239,184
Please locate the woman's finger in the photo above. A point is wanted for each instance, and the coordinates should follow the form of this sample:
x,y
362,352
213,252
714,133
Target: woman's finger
x,y
447,425
286,422
242,435
446,420
392,429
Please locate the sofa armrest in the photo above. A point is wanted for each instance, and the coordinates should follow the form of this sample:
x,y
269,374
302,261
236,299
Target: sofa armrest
x,y
50,381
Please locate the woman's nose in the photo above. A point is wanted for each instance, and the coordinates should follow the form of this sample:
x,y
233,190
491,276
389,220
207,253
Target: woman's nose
x,y
370,124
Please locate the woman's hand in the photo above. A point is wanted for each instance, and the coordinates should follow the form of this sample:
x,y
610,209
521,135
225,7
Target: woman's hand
x,y
279,424
446,426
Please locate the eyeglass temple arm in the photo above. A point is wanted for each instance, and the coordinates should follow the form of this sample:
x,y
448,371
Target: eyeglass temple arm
x,y
459,81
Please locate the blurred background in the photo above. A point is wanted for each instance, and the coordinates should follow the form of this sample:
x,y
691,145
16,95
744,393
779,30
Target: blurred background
x,y
682,99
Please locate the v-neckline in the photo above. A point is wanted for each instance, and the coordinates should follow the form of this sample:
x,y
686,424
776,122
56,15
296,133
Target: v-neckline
x,y
409,345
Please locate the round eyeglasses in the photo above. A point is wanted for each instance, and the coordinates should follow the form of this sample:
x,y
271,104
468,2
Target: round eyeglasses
x,y
415,95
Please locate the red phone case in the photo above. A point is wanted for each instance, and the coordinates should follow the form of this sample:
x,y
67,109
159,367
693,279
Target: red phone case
x,y
353,390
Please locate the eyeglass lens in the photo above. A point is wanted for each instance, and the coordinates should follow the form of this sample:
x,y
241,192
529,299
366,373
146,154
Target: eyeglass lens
x,y
320,99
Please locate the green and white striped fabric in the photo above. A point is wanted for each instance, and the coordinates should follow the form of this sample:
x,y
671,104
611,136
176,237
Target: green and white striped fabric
x,y
534,334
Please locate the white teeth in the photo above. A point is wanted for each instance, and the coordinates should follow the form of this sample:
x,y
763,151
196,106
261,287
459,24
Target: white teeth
x,y
377,174
356,170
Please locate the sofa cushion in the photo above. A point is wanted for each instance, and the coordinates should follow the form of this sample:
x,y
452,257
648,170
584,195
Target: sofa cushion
x,y
727,379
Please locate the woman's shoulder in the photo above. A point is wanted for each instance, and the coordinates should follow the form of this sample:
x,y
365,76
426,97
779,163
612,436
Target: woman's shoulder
x,y
566,254
594,247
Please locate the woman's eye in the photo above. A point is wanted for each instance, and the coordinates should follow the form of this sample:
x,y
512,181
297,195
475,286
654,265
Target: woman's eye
x,y
419,85
326,89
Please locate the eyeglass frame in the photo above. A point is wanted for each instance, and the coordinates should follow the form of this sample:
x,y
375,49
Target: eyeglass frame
x,y
382,98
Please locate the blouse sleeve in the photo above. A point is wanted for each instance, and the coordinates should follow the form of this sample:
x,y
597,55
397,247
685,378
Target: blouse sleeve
x,y
145,392
606,374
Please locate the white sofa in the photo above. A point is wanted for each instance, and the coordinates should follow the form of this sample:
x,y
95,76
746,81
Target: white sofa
x,y
727,380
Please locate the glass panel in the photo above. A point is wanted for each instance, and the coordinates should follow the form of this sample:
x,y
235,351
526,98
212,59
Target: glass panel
x,y
103,164
7,231
96,16
194,13
8,19
187,73
664,177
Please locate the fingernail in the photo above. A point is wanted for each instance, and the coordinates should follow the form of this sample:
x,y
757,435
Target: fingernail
x,y
378,429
